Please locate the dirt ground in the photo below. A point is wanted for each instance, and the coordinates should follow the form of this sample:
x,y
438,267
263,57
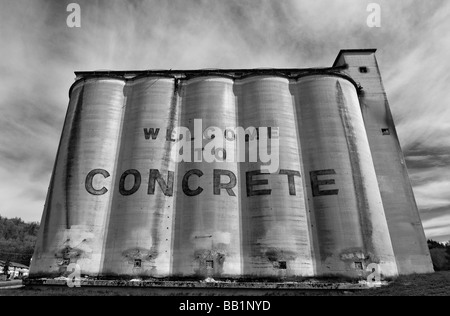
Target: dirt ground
x,y
436,284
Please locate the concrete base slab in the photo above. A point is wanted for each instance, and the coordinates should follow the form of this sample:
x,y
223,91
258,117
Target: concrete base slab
x,y
306,285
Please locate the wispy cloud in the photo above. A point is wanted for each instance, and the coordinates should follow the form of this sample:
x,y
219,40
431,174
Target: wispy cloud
x,y
436,223
39,54
417,86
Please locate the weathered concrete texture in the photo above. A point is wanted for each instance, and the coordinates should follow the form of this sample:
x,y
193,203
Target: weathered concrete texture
x,y
206,232
120,204
275,232
405,227
347,214
73,223
133,232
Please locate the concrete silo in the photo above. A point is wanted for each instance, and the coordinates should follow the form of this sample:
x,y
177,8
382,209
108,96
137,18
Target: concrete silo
x,y
207,235
348,219
133,193
77,206
275,232
139,229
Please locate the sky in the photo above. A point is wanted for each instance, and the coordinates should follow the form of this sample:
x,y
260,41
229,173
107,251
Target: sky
x,y
39,54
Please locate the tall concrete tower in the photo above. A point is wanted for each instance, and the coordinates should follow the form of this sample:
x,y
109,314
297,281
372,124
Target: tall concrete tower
x,y
405,226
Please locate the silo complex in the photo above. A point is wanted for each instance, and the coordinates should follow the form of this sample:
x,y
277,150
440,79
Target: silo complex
x,y
245,174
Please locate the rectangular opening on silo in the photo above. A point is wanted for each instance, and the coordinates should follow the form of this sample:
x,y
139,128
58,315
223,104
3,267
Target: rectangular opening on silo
x,y
209,264
385,131
282,265
359,265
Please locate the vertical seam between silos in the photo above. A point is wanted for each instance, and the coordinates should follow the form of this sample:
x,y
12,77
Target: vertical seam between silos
x,y
297,114
126,89
72,151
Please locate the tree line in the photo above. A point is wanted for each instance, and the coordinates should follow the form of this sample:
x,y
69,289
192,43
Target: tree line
x,y
17,240
440,255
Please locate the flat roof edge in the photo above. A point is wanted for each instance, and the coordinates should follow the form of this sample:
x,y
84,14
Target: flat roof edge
x,y
235,74
171,72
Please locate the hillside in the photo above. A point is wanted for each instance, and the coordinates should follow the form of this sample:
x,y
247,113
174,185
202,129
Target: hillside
x,y
17,240
440,255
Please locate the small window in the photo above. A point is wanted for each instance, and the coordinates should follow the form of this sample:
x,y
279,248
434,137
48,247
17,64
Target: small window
x,y
282,265
385,131
209,264
363,70
137,263
359,265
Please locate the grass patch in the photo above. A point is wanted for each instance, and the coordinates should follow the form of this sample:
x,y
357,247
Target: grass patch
x,y
432,284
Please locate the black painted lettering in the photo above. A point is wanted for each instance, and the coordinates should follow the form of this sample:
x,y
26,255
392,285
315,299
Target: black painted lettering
x,y
156,176
227,186
316,183
90,178
251,183
291,183
136,184
151,133
185,183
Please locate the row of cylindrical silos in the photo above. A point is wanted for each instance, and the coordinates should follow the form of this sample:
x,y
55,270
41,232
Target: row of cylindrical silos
x,y
121,205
